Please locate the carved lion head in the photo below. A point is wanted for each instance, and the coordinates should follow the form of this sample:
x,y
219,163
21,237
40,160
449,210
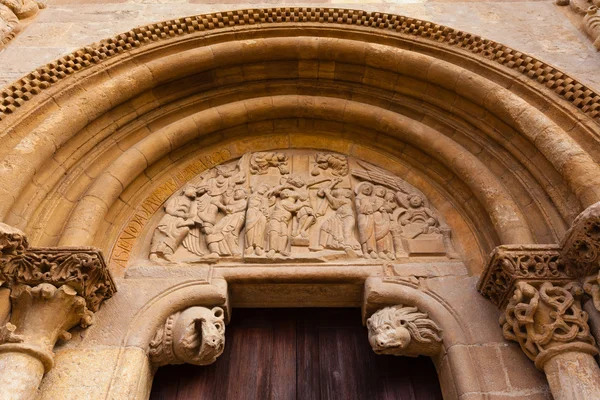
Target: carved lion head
x,y
392,329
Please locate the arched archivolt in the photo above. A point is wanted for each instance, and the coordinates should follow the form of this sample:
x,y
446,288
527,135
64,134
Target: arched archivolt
x,y
505,141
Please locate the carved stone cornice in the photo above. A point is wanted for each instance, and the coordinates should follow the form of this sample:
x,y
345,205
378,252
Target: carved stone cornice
x,y
403,331
81,268
193,336
510,264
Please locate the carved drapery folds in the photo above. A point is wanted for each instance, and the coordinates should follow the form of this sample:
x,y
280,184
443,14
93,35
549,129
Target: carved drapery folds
x,y
194,336
588,11
403,331
12,12
298,205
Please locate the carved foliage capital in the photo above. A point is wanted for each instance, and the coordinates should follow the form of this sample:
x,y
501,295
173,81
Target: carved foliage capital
x,y
194,336
510,264
547,319
82,268
403,331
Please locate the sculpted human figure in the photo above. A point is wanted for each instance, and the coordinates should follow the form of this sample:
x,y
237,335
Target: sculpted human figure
x,y
366,222
305,216
174,226
256,220
262,161
279,228
337,232
396,227
381,219
224,240
417,214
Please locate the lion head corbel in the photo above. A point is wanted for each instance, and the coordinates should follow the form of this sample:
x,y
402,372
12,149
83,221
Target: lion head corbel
x,y
193,336
403,331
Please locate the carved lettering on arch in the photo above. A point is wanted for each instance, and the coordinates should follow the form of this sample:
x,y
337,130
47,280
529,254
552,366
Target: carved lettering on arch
x,y
297,206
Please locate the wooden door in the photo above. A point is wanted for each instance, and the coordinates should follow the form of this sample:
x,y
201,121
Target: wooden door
x,y
304,354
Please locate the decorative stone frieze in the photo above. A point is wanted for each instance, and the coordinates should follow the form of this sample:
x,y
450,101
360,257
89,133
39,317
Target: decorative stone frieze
x,y
403,331
51,290
297,205
194,336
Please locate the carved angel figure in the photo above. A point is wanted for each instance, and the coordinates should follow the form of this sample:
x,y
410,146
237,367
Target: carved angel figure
x,y
174,226
256,220
336,163
337,232
262,161
403,330
194,336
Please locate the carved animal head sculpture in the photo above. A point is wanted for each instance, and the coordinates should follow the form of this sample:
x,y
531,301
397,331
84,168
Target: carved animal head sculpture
x,y
403,331
194,336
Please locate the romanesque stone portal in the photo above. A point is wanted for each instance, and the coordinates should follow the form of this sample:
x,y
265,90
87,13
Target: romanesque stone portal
x,y
307,206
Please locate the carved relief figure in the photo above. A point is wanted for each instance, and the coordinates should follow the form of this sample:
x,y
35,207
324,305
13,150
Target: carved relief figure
x,y
337,232
416,219
12,11
403,331
224,240
366,221
336,163
261,162
194,336
174,226
381,219
256,220
329,201
279,226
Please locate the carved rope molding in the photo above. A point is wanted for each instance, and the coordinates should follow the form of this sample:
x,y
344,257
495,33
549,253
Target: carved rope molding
x,y
567,88
403,331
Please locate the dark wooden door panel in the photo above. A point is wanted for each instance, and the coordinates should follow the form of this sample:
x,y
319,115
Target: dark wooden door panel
x,y
304,354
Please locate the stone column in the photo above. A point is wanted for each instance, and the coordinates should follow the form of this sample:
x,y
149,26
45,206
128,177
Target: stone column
x,y
51,291
540,293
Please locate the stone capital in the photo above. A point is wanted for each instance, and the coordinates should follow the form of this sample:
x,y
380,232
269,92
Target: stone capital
x,y
51,291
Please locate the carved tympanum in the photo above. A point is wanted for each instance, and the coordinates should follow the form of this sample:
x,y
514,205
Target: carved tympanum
x,y
297,205
546,320
194,336
403,331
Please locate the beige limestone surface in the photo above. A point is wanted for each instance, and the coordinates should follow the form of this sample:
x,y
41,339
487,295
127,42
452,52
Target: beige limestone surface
x,y
537,27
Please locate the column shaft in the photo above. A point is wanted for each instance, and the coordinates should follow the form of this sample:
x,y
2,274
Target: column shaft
x,y
20,376
573,376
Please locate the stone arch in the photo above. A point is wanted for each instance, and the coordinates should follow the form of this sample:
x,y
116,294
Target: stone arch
x,y
509,142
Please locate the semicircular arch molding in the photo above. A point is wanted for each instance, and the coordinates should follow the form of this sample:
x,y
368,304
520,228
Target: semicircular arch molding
x,y
507,131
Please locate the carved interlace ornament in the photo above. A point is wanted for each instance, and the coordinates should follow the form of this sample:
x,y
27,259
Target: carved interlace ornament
x,y
547,320
194,336
509,264
403,331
